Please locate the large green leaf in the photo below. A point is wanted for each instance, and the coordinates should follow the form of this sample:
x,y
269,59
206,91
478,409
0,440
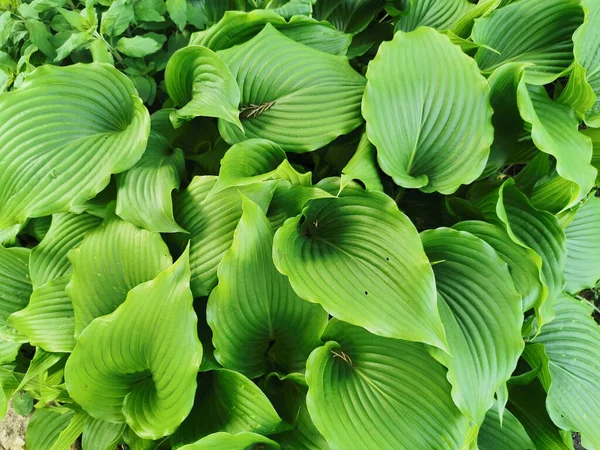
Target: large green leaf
x,y
521,264
434,14
111,260
428,112
144,191
237,27
361,259
569,369
482,315
228,401
367,391
15,288
201,85
48,320
538,232
51,429
48,260
582,267
211,222
503,432
529,31
256,317
584,81
138,365
350,16
62,134
101,435
227,441
555,130
292,94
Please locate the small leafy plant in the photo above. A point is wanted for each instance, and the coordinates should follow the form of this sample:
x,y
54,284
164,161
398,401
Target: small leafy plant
x,y
300,224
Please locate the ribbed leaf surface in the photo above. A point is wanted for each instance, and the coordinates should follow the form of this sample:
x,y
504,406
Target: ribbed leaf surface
x,y
15,289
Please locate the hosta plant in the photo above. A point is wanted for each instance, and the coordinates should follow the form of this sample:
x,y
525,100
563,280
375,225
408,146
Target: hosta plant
x,y
300,224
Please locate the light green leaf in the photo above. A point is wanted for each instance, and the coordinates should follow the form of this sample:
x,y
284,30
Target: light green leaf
x,y
48,260
51,429
201,85
351,16
42,361
594,135
289,200
304,100
111,260
138,365
258,321
101,435
522,266
227,441
367,391
23,403
75,42
178,12
237,27
82,152
117,18
40,37
150,10
144,191
554,130
229,402
569,367
529,31
582,267
434,14
361,259
538,232
427,111
482,315
363,167
138,46
211,222
48,320
578,94
503,433
15,288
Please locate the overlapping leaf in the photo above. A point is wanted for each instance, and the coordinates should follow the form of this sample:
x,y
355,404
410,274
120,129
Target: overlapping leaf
x,y
15,289
428,113
296,96
361,259
434,14
62,134
138,365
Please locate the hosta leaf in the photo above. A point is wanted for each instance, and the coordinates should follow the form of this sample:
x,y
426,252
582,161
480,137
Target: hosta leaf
x,y
522,266
296,96
363,167
569,369
201,85
594,135
289,200
48,320
582,266
15,288
59,145
144,191
503,434
554,130
111,260
536,231
585,78
101,435
482,316
361,259
48,260
211,222
227,441
350,16
237,27
229,402
50,429
427,111
367,391
434,14
138,365
256,317
530,31
528,404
